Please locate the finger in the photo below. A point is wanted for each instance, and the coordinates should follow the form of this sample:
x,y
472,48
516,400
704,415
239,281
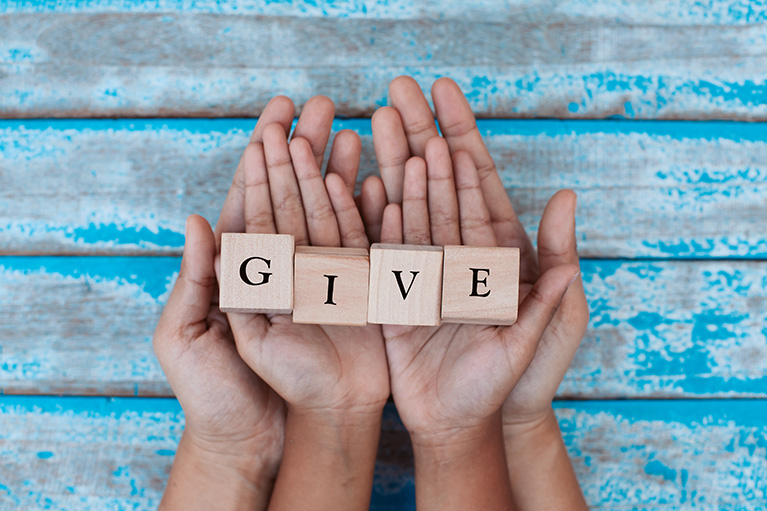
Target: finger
x,y
391,227
442,199
535,314
314,124
190,301
279,110
476,228
320,218
556,234
345,158
258,204
283,187
458,126
372,202
557,245
417,119
392,151
415,209
350,225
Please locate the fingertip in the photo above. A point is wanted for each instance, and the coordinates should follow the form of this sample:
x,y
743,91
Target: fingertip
x,y
322,104
401,83
282,105
349,139
385,115
444,84
436,146
273,132
391,225
335,184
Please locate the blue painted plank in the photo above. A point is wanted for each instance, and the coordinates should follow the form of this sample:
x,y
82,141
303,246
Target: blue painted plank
x,y
647,189
658,328
96,453
580,59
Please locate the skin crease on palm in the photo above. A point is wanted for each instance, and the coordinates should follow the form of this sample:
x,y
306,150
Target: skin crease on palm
x,y
402,131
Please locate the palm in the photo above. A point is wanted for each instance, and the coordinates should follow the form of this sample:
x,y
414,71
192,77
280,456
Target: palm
x,y
225,399
448,373
339,361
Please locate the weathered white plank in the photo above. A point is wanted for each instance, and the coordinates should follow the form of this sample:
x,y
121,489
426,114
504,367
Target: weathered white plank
x,y
94,454
658,329
577,59
647,189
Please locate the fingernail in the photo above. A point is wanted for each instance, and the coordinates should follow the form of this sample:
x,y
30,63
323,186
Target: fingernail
x,y
572,279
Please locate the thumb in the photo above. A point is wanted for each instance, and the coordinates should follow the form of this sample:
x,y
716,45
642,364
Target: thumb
x,y
190,301
536,312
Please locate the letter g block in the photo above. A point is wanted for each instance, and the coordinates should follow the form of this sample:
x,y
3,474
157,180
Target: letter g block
x,y
256,273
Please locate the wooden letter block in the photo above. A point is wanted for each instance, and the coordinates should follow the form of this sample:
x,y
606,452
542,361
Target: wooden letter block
x,y
405,284
481,285
256,273
331,286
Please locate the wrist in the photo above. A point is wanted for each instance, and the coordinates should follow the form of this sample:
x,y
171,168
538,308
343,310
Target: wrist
x,y
462,469
455,444
205,478
531,429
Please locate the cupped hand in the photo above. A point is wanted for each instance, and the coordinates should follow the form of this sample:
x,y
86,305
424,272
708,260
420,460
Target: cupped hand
x,y
455,377
402,131
320,368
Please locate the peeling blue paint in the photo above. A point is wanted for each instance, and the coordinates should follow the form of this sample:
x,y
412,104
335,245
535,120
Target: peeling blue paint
x,y
44,455
656,468
153,275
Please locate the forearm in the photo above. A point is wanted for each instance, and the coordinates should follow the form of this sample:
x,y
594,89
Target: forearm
x,y
540,471
203,480
465,470
328,462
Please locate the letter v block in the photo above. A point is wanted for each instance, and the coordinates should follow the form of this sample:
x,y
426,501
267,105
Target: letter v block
x,y
331,286
481,285
405,284
256,273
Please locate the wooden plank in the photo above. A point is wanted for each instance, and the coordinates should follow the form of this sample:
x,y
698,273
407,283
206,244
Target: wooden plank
x,y
658,328
95,453
579,59
649,189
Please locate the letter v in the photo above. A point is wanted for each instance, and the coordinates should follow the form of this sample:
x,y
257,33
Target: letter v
x,y
398,276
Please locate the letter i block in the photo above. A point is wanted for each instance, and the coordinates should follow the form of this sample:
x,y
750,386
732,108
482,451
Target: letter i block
x,y
405,284
331,286
256,273
481,285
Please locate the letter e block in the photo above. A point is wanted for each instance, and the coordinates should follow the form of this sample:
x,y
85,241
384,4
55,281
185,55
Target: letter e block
x,y
256,273
331,286
481,285
405,284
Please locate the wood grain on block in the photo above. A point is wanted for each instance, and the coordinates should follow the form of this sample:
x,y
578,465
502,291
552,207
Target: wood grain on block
x,y
257,273
480,285
331,286
405,284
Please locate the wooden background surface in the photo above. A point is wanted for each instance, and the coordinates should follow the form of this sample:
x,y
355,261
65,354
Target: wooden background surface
x,y
651,110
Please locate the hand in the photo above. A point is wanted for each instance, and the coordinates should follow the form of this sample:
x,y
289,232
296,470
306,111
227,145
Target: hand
x,y
402,131
334,379
455,377
233,419
313,367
